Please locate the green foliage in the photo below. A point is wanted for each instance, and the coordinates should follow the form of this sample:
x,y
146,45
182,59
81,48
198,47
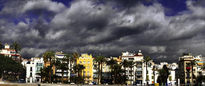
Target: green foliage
x,y
163,75
10,69
16,46
48,56
1,45
78,69
100,60
44,74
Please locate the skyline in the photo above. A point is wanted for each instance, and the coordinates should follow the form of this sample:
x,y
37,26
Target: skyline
x,y
160,28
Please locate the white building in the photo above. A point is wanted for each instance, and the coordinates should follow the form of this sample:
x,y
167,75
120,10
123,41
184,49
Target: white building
x,y
172,67
7,51
135,75
33,67
151,73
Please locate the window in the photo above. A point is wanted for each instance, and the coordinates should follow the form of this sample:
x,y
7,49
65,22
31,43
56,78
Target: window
x,y
84,62
80,62
88,62
131,58
30,74
30,68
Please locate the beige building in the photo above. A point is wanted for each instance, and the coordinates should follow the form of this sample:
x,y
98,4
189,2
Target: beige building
x,y
185,68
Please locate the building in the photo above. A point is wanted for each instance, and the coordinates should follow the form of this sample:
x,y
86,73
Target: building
x,y
172,80
135,74
186,69
8,51
87,61
61,57
33,67
150,78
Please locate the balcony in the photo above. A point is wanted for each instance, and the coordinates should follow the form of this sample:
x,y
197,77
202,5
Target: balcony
x,y
139,69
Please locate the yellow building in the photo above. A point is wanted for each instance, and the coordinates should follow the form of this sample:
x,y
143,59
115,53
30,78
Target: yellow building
x,y
87,61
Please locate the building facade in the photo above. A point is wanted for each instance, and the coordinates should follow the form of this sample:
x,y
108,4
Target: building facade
x,y
8,51
33,67
134,74
87,61
61,57
186,69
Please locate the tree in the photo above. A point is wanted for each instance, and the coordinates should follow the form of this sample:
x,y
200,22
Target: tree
x,y
68,59
163,75
17,47
146,60
49,57
62,66
1,45
111,63
130,65
10,69
78,69
118,78
44,74
125,64
100,60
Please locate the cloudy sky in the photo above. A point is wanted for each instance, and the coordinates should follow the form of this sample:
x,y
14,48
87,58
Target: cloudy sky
x,y
162,29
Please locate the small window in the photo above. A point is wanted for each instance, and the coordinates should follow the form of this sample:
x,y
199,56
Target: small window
x,y
88,62
131,58
30,68
30,74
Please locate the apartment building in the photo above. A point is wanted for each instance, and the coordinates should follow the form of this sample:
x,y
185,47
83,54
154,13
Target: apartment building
x,y
33,67
171,80
8,51
186,68
134,74
87,61
61,57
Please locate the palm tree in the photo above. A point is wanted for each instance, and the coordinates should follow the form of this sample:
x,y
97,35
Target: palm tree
x,y
163,75
130,65
44,74
117,72
78,69
111,63
100,60
16,46
62,66
146,60
125,64
75,57
1,45
49,57
68,58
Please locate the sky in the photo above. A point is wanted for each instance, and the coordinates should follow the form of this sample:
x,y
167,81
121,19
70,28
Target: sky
x,y
162,29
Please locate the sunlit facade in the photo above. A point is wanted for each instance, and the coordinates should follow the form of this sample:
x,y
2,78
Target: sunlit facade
x,y
87,61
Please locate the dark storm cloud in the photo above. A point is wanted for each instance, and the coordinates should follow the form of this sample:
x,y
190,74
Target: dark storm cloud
x,y
101,28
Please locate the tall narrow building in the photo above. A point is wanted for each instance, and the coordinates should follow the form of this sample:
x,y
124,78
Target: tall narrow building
x,y
185,68
134,74
87,61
